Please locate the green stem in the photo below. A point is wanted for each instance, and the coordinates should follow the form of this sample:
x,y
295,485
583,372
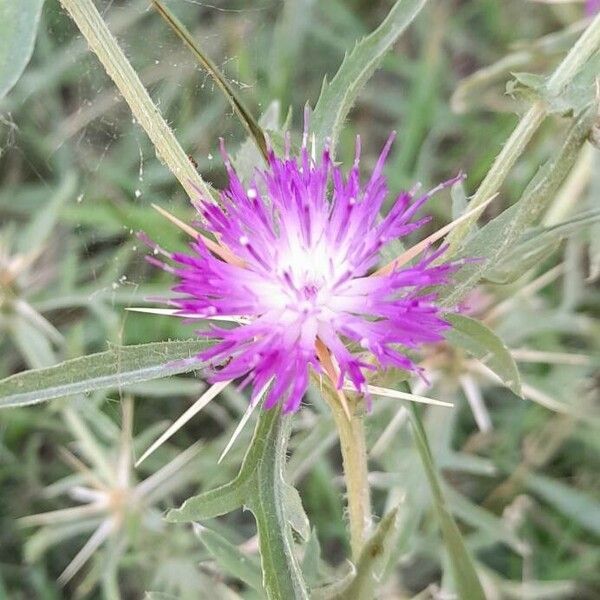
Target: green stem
x,y
354,457
282,575
105,46
580,53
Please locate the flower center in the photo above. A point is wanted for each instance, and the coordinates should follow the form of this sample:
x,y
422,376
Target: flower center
x,y
310,291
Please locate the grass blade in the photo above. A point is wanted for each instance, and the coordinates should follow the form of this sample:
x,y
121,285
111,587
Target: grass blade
x,y
245,116
463,570
230,558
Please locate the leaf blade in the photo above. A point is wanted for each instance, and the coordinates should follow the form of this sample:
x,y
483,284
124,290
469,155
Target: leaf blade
x,y
465,577
247,119
18,28
118,366
336,98
480,341
230,558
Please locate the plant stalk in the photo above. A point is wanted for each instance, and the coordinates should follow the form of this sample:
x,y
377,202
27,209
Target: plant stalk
x,y
105,46
580,53
353,445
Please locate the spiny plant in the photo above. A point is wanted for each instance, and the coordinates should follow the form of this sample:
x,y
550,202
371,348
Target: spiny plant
x,y
304,282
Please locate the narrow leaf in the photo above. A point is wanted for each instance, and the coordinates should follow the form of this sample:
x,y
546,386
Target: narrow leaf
x,y
230,558
119,366
337,97
538,244
497,237
210,504
235,493
295,514
282,576
261,487
573,503
463,569
480,341
245,116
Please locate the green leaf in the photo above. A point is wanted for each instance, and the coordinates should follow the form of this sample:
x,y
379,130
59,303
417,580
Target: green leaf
x,y
537,245
573,503
282,576
570,101
246,160
245,116
487,523
480,341
465,577
38,230
261,487
234,494
18,29
593,201
295,511
230,558
311,561
371,562
118,366
337,97
497,237
514,265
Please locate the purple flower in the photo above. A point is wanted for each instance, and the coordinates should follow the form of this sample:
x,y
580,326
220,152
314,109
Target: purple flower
x,y
592,7
303,241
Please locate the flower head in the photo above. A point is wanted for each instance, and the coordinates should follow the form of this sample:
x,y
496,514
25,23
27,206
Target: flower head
x,y
301,244
592,7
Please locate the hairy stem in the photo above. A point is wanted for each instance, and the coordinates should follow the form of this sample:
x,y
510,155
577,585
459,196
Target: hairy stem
x,y
354,456
580,53
105,46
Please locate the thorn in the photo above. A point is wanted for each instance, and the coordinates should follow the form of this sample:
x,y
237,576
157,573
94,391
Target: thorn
x,y
215,248
424,244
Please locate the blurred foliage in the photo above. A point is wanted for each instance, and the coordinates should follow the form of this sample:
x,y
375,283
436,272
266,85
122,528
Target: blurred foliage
x,y
78,179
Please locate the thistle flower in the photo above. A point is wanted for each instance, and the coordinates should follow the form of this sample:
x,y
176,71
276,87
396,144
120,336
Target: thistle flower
x,y
295,269
592,7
